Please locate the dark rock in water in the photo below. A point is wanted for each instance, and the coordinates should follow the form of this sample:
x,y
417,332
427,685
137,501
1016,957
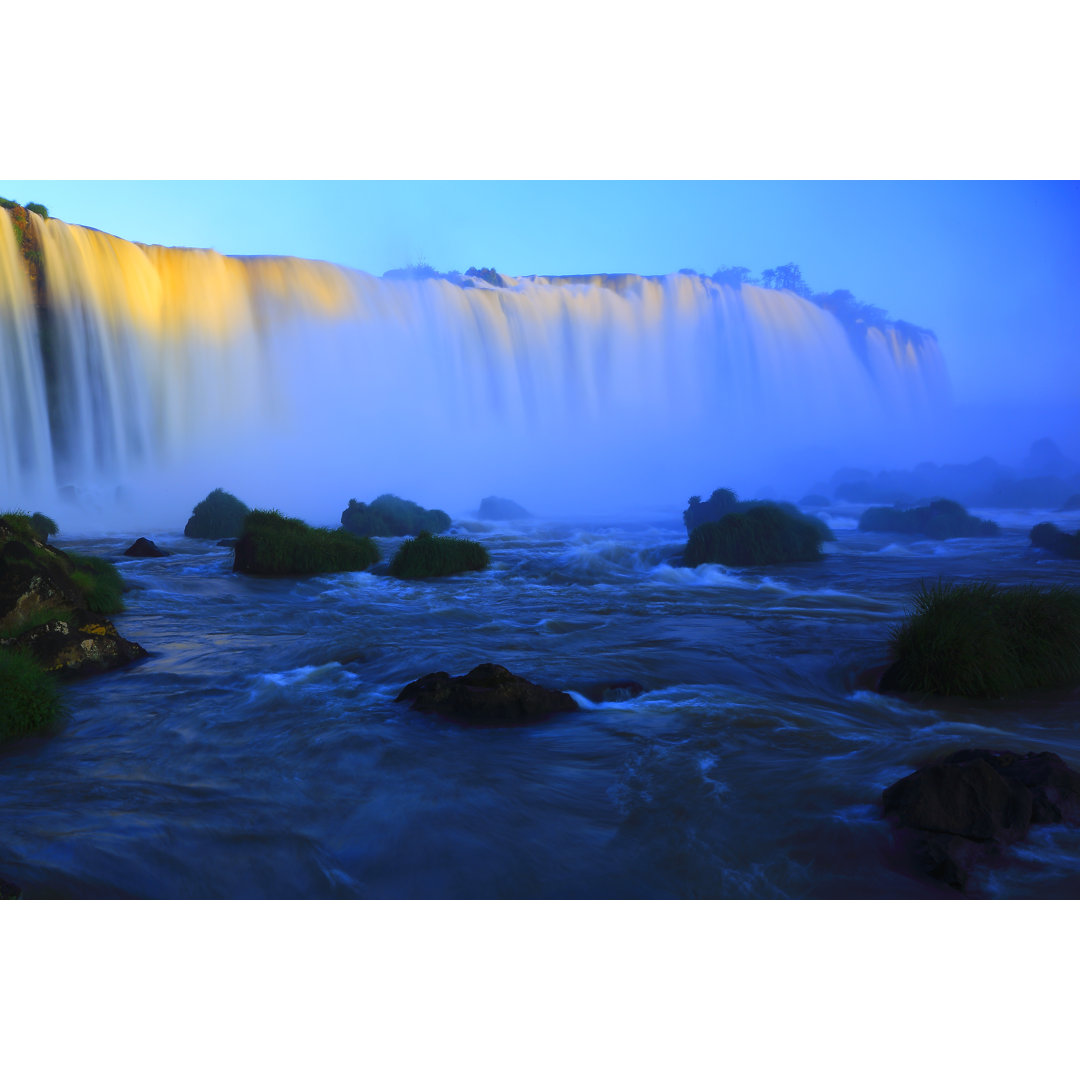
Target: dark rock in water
x,y
1049,537
942,519
1054,787
494,508
613,691
487,694
963,809
9,891
146,549
78,643
219,514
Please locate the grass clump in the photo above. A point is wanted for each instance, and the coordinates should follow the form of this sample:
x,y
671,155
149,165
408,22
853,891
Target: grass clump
x,y
390,516
100,583
758,536
29,699
217,516
275,545
437,556
942,519
982,640
1058,542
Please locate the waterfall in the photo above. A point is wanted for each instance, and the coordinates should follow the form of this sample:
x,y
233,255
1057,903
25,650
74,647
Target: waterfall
x,y
142,367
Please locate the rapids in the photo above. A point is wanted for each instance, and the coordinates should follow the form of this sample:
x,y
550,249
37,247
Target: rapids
x,y
258,752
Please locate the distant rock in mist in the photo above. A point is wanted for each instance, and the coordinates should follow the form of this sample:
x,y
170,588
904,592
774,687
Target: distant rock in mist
x,y
495,508
1045,479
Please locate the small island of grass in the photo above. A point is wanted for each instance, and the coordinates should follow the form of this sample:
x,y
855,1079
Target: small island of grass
x,y
273,545
428,556
941,519
982,640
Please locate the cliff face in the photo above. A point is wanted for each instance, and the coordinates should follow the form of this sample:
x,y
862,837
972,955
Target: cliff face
x,y
29,242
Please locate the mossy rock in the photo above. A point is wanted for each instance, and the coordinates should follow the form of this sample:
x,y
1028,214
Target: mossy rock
x,y
389,515
274,545
427,556
982,640
942,519
219,515
760,536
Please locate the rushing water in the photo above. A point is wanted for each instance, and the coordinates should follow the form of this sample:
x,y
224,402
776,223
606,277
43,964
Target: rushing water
x,y
152,369
258,752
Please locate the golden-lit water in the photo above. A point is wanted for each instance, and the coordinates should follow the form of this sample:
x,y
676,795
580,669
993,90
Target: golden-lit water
x,y
153,361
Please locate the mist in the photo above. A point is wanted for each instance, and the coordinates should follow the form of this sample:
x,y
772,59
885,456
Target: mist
x,y
157,374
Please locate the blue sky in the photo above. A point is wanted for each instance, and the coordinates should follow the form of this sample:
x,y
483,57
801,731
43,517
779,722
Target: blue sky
x,y
992,267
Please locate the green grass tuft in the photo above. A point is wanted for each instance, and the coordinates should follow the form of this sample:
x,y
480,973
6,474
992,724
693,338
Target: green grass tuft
x,y
275,545
390,516
437,556
29,699
219,515
758,536
100,583
982,640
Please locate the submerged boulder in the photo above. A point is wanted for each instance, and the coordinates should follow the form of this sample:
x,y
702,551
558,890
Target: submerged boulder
x,y
487,694
146,549
954,813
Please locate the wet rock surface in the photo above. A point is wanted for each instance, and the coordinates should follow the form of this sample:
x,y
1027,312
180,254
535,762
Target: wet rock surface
x,y
78,643
487,694
146,549
958,812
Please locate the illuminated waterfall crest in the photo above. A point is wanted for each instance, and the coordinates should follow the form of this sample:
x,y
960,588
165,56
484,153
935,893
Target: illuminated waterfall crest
x,y
150,358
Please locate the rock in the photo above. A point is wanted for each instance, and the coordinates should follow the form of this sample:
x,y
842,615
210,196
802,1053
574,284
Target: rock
x,y
967,807
78,643
9,891
487,694
970,799
28,588
613,691
146,549
494,508
1053,786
